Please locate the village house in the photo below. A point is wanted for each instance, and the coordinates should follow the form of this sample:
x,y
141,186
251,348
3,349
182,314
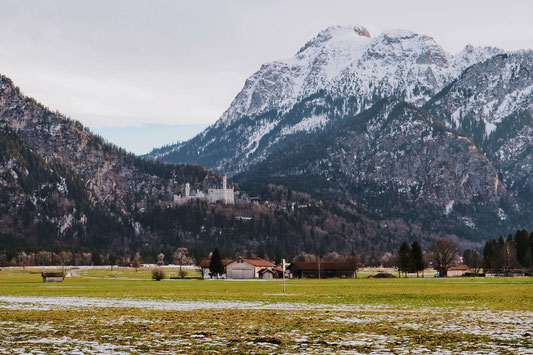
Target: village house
x,y
249,268
324,270
266,274
458,270
53,276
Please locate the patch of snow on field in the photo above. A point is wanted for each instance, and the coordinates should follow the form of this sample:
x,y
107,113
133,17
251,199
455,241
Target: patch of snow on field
x,y
49,303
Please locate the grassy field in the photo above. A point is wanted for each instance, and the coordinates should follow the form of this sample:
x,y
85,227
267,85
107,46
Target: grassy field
x,y
124,311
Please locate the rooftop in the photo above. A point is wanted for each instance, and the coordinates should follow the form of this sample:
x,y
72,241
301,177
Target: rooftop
x,y
458,267
309,266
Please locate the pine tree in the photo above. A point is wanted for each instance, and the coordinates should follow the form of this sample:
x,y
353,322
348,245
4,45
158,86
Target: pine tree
x,y
523,248
216,265
404,258
417,257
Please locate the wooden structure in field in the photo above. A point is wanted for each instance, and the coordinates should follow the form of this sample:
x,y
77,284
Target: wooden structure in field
x,y
53,276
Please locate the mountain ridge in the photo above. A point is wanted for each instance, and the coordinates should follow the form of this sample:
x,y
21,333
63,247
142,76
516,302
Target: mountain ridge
x,y
335,75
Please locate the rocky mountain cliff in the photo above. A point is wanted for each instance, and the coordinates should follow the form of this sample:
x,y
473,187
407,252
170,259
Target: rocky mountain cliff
x,y
338,74
47,202
395,161
492,103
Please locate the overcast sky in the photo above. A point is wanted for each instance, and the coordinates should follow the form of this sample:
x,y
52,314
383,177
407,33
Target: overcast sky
x,y
175,63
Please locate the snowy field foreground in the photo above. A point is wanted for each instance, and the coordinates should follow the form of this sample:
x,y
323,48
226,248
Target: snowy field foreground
x,y
34,324
104,311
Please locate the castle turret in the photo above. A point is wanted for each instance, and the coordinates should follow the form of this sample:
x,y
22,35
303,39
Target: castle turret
x,y
187,191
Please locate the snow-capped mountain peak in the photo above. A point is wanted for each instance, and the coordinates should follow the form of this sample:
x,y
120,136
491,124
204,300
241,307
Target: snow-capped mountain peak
x,y
336,33
339,73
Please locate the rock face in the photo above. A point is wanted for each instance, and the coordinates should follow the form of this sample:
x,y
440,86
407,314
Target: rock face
x,y
492,103
396,161
45,201
338,74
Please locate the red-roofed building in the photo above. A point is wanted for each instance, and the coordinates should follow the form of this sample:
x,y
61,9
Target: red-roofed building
x,y
458,270
247,268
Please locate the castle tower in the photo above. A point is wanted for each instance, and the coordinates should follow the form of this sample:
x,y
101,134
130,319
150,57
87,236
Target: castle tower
x,y
225,182
187,190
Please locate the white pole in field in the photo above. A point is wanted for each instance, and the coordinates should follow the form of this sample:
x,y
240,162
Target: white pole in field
x,y
283,267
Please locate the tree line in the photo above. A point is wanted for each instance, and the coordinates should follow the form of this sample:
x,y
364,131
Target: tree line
x,y
502,255
442,254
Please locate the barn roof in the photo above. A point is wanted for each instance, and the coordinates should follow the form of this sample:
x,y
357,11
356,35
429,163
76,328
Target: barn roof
x,y
280,269
312,266
255,262
458,267
262,271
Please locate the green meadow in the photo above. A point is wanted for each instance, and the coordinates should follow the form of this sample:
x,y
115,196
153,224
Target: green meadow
x,y
492,293
124,311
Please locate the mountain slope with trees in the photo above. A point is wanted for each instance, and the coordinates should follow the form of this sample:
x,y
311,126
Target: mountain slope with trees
x,y
396,162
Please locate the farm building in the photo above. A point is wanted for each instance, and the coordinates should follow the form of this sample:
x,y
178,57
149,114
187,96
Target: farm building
x,y
458,270
53,276
323,270
516,272
247,268
266,274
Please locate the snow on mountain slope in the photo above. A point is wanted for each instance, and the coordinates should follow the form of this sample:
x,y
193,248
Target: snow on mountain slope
x,y
346,58
337,74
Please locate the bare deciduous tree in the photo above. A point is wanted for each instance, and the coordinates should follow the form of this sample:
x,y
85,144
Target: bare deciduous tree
x,y
476,262
443,252
161,259
181,257
136,263
354,262
23,260
508,256
64,258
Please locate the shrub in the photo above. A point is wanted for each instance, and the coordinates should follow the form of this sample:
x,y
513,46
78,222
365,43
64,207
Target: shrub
x,y
183,273
158,274
383,275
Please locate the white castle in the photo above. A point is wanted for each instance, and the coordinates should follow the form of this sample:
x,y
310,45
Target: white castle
x,y
215,193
